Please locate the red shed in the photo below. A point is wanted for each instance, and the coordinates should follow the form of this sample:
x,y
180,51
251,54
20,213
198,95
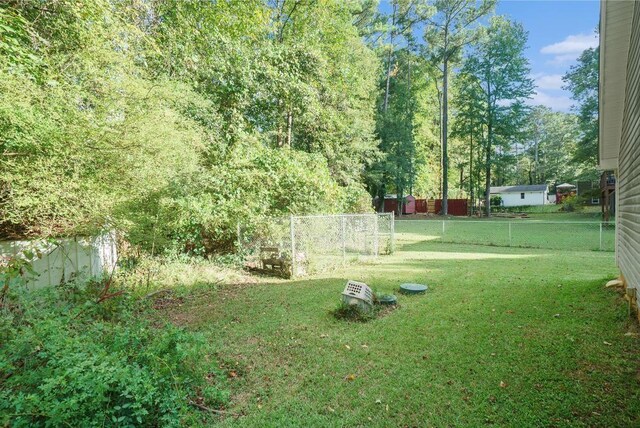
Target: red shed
x,y
391,204
409,205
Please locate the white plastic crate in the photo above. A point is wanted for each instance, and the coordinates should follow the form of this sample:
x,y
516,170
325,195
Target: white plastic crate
x,y
359,291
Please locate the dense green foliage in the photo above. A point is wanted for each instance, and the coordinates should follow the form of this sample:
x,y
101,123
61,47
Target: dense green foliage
x,y
66,360
447,35
582,80
437,148
498,66
174,121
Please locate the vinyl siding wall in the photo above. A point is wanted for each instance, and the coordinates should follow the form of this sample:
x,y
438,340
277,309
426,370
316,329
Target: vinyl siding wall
x,y
530,198
628,239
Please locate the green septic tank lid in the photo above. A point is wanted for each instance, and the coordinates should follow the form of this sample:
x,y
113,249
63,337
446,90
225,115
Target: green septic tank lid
x,y
387,299
413,288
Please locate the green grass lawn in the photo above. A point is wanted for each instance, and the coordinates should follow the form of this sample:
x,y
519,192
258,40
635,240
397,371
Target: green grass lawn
x,y
504,337
564,233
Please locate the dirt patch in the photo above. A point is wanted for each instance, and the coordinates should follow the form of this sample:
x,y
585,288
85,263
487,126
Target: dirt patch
x,y
189,309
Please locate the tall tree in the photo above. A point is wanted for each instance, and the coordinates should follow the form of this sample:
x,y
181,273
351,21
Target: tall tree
x,y
582,81
469,124
551,141
394,124
448,32
404,15
497,61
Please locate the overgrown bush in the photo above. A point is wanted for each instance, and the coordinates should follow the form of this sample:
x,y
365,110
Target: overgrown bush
x,y
66,360
572,203
173,137
496,201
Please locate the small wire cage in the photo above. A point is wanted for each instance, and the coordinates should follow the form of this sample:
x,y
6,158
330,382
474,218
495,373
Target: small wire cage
x,y
358,291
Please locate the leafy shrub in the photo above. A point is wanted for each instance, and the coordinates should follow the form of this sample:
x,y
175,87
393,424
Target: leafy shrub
x,y
496,201
66,360
571,203
173,137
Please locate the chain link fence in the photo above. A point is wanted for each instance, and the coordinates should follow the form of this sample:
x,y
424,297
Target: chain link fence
x,y
577,236
301,245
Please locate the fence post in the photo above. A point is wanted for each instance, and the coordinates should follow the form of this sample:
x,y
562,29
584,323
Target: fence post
x,y
600,236
293,245
393,233
376,240
344,241
509,233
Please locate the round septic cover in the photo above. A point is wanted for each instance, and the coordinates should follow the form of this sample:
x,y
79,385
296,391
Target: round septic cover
x,y
413,288
388,299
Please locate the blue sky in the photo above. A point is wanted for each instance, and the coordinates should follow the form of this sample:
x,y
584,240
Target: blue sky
x,y
559,30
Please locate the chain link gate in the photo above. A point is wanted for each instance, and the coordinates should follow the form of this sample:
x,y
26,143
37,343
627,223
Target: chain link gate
x,y
301,245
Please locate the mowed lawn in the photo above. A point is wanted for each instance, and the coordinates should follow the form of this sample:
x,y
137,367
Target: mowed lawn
x,y
504,337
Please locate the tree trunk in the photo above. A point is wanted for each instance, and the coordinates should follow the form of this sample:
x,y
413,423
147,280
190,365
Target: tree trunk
x,y
445,123
390,58
435,82
289,127
471,171
536,175
487,183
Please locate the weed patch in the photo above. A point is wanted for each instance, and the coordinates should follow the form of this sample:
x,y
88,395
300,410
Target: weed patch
x,y
66,360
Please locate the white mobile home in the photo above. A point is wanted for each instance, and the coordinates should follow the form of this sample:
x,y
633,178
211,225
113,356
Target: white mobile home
x,y
620,128
515,196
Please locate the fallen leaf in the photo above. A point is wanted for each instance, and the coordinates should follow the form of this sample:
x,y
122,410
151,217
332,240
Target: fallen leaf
x,y
365,346
503,384
348,347
378,401
606,343
233,373
350,377
556,316
331,409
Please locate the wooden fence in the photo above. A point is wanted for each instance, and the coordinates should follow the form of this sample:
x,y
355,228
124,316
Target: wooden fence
x,y
457,207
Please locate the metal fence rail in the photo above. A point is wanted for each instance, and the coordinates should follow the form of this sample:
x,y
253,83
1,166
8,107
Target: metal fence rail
x,y
591,236
300,245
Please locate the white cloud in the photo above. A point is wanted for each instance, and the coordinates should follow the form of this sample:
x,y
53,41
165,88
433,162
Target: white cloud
x,y
570,48
554,102
548,81
572,44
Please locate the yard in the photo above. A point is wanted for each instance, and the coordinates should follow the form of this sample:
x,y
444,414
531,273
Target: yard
x,y
504,337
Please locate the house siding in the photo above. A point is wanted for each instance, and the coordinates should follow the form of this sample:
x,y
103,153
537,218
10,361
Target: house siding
x,y
530,198
628,239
